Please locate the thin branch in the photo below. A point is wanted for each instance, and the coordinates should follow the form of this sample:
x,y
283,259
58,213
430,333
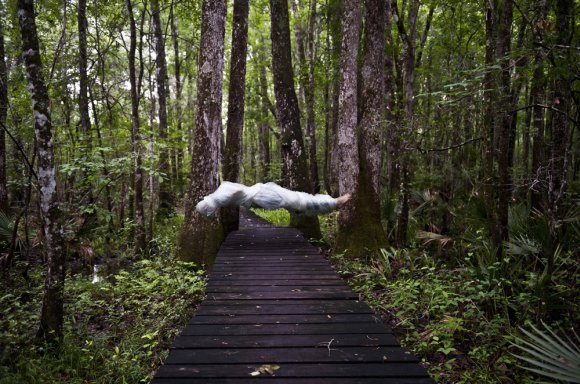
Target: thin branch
x,y
425,151
20,149
546,107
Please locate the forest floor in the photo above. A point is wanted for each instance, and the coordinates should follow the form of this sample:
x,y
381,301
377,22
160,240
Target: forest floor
x,y
116,331
453,316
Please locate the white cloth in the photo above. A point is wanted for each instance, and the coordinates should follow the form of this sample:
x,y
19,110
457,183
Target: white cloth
x,y
268,196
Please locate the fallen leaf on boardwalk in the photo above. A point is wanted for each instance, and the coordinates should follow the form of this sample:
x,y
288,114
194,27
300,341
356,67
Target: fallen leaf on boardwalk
x,y
265,368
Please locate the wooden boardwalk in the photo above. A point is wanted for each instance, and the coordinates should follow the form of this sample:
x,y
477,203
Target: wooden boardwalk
x,y
276,312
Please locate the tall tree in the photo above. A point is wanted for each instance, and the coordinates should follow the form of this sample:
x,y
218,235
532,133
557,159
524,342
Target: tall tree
x,y
52,315
237,92
3,114
538,98
166,199
294,162
498,118
561,100
200,238
360,227
347,142
140,234
86,140
177,153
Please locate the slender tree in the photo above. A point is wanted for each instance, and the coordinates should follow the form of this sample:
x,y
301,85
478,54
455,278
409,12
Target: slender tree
x,y
562,96
3,114
237,92
52,315
294,162
200,238
86,140
140,234
166,199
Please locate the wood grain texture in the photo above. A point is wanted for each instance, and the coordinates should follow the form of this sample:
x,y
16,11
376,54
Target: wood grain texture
x,y
279,303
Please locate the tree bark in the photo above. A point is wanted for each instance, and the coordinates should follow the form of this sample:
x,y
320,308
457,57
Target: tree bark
x,y
139,215
236,97
51,319
360,228
177,152
561,101
3,114
505,106
347,141
166,198
264,127
294,162
200,238
86,139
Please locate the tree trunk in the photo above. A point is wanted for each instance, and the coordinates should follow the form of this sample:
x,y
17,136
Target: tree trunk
x,y
561,101
294,162
309,98
166,199
177,152
264,127
86,139
359,140
347,141
140,235
505,106
237,93
51,320
3,114
200,238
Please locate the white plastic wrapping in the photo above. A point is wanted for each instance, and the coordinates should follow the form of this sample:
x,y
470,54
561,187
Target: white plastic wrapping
x,y
268,196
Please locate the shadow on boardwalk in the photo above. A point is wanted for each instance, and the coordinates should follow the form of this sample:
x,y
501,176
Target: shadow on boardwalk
x,y
276,312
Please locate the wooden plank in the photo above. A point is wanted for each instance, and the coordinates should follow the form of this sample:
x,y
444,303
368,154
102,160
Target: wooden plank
x,y
273,298
292,380
286,341
230,276
275,283
285,329
282,295
277,288
291,355
284,319
343,370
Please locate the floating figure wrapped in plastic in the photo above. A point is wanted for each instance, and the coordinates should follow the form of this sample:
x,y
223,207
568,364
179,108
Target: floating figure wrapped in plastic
x,y
268,196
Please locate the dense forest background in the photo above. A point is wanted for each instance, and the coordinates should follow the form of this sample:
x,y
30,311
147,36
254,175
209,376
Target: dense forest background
x,y
453,123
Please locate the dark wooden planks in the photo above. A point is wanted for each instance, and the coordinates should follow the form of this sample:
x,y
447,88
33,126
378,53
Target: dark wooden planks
x,y
272,298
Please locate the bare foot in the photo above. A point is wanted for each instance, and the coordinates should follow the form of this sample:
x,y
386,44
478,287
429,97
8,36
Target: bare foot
x,y
341,200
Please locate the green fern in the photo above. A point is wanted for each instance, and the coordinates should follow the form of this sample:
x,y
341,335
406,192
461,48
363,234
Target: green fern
x,y
549,355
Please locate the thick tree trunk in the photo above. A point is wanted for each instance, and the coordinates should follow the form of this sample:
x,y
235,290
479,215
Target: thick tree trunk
x,y
294,162
139,215
166,198
359,142
371,127
51,320
236,97
200,238
3,113
347,141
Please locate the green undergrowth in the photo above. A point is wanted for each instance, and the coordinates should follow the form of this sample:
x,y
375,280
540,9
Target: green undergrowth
x,y
116,331
453,319
281,218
